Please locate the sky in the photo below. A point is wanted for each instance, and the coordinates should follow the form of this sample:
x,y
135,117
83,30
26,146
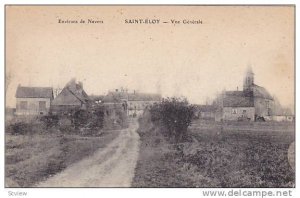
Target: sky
x,y
192,60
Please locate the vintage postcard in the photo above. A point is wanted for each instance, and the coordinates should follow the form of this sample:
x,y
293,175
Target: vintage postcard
x,y
150,96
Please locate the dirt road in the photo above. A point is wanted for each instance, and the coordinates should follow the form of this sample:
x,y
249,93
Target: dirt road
x,y
112,166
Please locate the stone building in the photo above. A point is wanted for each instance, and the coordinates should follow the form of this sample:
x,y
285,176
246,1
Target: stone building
x,y
238,105
133,103
249,104
138,102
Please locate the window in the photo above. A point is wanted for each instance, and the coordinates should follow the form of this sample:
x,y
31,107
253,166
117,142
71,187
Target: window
x,y
244,111
42,105
23,105
234,111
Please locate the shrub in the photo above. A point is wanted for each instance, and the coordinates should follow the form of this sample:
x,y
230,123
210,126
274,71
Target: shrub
x,y
80,118
97,119
50,120
174,115
122,118
88,118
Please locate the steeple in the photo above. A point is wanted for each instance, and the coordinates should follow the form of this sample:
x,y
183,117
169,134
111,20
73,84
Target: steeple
x,y
249,79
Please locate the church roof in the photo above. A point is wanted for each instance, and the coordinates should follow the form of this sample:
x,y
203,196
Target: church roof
x,y
238,99
261,92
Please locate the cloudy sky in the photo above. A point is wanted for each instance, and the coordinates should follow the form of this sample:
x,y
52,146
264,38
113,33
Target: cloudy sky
x,y
192,60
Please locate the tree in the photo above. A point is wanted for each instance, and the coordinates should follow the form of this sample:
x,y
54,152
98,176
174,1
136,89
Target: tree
x,y
175,115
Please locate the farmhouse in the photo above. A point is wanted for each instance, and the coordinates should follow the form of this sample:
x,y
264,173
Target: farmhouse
x,y
138,102
238,105
113,102
72,97
33,100
134,103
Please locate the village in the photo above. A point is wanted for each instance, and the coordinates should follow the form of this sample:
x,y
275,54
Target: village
x,y
149,96
68,138
252,103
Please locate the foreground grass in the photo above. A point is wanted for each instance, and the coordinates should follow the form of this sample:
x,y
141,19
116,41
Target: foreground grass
x,y
31,159
232,155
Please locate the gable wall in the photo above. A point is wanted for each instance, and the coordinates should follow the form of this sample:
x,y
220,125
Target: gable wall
x,y
66,98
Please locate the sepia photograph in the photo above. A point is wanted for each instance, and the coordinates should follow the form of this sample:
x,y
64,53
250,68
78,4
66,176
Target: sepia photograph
x,y
149,96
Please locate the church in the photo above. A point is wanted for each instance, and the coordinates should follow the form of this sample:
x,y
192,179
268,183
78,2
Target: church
x,y
252,103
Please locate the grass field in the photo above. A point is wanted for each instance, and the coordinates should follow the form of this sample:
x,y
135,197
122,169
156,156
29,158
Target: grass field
x,y
33,158
232,154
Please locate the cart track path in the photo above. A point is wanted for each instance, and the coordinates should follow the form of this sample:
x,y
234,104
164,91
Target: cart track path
x,y
112,166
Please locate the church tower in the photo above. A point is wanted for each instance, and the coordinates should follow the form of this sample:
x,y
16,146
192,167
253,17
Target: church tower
x,y
249,80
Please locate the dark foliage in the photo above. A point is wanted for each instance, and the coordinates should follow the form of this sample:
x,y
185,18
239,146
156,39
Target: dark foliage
x,y
81,118
174,115
79,121
92,118
18,128
50,120
122,118
24,128
97,118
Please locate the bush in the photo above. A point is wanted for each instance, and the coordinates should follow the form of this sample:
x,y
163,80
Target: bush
x,y
92,118
97,118
50,120
122,119
174,115
80,118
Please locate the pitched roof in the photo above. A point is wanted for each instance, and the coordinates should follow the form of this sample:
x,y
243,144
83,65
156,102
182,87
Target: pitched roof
x,y
78,92
119,96
144,97
65,97
72,94
238,99
261,92
34,92
115,96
